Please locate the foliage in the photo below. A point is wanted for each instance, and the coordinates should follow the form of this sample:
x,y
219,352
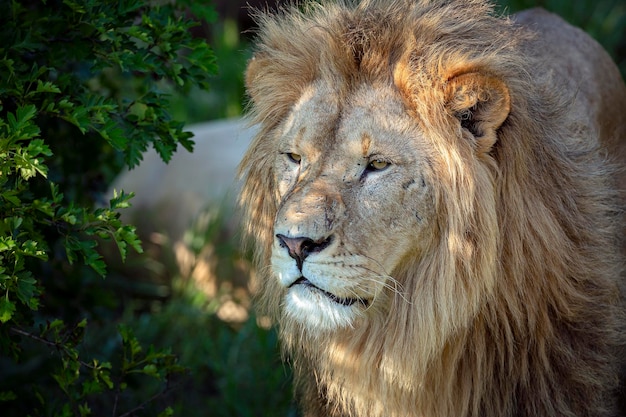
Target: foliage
x,y
234,371
226,98
79,97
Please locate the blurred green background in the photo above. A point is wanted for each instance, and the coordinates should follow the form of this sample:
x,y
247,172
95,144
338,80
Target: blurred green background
x,y
234,362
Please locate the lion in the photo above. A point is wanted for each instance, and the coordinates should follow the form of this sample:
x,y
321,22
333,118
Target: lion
x,y
433,197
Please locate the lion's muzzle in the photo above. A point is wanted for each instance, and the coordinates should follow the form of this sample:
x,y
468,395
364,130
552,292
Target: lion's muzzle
x,y
300,248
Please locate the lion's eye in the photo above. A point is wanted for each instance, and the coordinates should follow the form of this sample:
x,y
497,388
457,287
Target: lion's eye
x,y
294,157
377,165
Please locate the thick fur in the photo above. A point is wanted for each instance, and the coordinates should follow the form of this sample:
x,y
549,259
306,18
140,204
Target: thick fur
x,y
501,299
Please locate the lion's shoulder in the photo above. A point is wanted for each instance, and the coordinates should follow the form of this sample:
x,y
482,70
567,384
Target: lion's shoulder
x,y
576,66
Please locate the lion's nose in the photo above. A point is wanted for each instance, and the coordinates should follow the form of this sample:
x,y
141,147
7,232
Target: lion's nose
x,y
301,247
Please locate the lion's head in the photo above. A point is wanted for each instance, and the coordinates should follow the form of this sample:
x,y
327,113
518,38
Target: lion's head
x,y
408,194
357,200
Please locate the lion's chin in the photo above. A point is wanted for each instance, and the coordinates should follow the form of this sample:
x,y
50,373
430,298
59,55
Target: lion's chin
x,y
318,309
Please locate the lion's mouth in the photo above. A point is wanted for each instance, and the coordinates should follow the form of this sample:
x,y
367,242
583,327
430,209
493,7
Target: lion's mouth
x,y
339,300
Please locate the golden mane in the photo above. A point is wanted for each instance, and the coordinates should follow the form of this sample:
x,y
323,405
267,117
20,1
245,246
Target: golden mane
x,y
527,222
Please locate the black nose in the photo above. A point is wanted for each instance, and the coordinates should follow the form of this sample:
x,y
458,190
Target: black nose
x,y
301,247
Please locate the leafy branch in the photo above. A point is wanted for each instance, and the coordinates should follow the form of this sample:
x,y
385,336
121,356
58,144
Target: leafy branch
x,y
95,377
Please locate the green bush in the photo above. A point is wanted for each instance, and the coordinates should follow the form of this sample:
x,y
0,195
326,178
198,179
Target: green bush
x,y
81,94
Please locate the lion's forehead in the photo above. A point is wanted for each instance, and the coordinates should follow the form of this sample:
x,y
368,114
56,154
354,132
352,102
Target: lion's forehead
x,y
368,120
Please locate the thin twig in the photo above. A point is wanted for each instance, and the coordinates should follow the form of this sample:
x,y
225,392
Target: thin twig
x,y
47,342
34,337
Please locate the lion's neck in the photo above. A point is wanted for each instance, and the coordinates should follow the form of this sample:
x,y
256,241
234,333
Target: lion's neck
x,y
356,369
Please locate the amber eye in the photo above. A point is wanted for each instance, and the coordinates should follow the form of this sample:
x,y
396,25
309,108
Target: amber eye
x,y
294,157
377,165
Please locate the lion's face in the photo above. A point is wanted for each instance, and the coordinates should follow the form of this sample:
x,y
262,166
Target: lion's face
x,y
355,198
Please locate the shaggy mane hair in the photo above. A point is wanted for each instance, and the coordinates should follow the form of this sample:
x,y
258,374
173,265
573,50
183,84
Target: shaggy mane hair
x,y
514,310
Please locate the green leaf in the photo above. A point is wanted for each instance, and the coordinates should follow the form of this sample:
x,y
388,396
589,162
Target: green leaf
x,y
168,412
6,243
7,309
38,147
31,248
92,387
26,289
79,117
128,234
102,373
84,410
120,200
22,116
134,153
15,223
7,396
131,345
28,164
44,87
21,123
56,324
151,370
12,198
96,262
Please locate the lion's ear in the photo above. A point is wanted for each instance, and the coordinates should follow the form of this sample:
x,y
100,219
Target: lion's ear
x,y
481,103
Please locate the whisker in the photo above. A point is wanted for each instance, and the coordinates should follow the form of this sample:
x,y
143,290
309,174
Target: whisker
x,y
375,276
389,281
393,285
